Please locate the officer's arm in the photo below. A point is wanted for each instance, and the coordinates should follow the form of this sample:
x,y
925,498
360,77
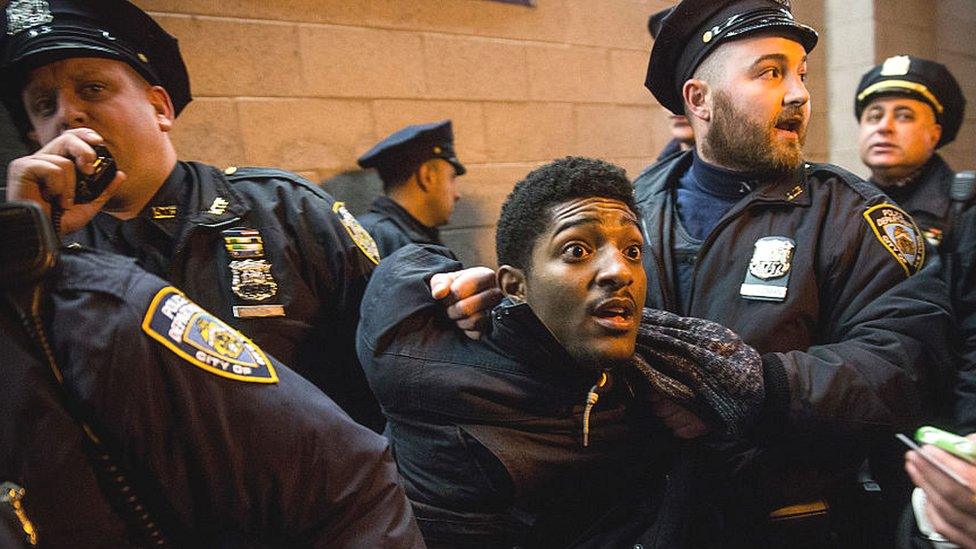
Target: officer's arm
x,y
887,337
240,446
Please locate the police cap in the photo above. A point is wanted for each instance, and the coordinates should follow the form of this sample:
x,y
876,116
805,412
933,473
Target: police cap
x,y
402,151
655,20
696,27
917,78
34,33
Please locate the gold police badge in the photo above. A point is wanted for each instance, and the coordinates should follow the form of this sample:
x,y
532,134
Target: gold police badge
x,y
251,279
897,231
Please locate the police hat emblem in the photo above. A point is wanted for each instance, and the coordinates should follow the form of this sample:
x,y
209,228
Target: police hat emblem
x,y
204,340
897,231
24,14
356,231
251,279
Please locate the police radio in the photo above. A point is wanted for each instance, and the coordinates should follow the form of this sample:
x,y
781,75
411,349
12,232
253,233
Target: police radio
x,y
29,244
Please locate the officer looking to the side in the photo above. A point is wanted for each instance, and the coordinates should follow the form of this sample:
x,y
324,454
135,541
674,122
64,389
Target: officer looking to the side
x,y
132,417
419,169
266,251
682,136
908,108
812,266
546,432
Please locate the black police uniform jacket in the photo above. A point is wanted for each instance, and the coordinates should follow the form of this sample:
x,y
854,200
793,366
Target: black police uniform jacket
x,y
392,227
319,258
848,353
487,434
927,199
263,458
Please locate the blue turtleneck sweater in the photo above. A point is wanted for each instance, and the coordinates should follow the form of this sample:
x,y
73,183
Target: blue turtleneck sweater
x,y
705,194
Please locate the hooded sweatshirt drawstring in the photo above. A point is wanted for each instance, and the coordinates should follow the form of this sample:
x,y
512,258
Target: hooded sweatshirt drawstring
x,y
591,399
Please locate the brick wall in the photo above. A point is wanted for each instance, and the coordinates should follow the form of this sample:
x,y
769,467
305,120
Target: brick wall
x,y
310,85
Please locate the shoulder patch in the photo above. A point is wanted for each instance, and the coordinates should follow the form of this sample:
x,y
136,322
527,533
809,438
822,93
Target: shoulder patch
x,y
204,340
899,234
357,232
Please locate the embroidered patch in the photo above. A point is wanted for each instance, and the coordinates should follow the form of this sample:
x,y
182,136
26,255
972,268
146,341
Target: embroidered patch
x,y
243,243
357,232
898,233
204,340
251,279
768,276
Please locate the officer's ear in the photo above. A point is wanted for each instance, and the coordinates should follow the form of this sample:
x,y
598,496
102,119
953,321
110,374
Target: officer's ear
x,y
426,173
163,106
935,134
695,93
512,282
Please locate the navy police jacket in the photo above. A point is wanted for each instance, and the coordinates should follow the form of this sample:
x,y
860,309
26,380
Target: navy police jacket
x,y
226,444
270,254
824,276
392,227
488,434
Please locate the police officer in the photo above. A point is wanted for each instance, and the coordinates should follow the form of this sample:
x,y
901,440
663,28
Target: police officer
x,y
682,136
134,417
265,250
813,267
419,169
908,108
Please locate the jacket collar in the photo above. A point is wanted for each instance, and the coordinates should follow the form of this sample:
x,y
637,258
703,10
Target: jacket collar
x,y
385,205
927,191
208,199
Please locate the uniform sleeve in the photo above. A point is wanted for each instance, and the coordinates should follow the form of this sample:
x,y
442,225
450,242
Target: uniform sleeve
x,y
884,339
267,458
963,288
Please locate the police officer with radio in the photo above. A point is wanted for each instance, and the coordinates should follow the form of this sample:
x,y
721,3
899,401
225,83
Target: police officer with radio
x,y
419,168
812,266
908,108
265,250
131,416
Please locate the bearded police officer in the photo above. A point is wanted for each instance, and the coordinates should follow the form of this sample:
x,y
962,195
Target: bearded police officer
x,y
812,266
419,169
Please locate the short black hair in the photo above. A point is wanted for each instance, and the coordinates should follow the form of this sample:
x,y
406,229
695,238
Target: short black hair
x,y
525,213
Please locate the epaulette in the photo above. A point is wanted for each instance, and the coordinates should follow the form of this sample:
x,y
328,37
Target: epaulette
x,y
235,174
867,191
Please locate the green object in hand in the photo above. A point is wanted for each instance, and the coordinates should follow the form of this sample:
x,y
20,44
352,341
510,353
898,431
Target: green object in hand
x,y
952,443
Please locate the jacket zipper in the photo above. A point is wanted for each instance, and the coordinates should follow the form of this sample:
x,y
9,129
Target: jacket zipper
x,y
12,495
591,399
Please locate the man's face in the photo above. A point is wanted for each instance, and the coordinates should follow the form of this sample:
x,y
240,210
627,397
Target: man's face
x,y
586,281
443,192
104,95
898,136
760,106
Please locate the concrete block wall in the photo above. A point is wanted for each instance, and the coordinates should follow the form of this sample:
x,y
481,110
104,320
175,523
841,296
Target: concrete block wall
x,y
309,85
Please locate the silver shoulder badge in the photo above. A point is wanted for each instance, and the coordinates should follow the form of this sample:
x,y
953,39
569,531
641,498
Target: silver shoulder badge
x,y
204,340
357,232
24,14
899,234
768,276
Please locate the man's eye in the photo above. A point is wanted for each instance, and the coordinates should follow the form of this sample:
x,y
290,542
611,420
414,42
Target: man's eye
x,y
905,117
575,251
43,106
92,88
770,73
633,252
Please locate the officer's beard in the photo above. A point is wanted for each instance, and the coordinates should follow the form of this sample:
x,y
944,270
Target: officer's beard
x,y
736,142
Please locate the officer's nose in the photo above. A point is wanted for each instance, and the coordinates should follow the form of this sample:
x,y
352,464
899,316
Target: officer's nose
x,y
615,269
71,113
797,94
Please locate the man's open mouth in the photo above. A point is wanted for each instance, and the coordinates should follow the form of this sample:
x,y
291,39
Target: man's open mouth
x,y
793,125
616,313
